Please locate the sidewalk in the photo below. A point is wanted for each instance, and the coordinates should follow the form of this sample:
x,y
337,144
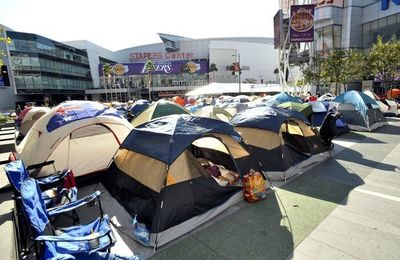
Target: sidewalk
x,y
337,209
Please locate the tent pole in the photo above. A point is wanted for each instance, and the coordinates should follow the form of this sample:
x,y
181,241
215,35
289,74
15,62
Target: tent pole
x,y
161,207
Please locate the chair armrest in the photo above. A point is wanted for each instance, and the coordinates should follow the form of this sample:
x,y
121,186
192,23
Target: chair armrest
x,y
73,205
67,238
38,165
55,177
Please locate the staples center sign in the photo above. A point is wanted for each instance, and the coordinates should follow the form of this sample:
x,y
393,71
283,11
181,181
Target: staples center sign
x,y
156,55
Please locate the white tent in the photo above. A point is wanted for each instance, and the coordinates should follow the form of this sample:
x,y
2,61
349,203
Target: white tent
x,y
78,135
216,89
388,109
31,117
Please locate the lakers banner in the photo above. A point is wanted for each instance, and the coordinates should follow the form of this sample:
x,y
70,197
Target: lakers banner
x,y
302,23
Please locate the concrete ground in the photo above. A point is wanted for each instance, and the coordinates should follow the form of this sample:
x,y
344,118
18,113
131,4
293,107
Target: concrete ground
x,y
346,207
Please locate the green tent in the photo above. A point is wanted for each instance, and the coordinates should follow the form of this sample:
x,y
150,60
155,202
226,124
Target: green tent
x,y
214,112
304,108
158,109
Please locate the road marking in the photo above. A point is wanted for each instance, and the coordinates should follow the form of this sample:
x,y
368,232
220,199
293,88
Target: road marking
x,y
378,194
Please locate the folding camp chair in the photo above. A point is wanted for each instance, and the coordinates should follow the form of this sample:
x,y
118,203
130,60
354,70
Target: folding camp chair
x,y
54,194
50,242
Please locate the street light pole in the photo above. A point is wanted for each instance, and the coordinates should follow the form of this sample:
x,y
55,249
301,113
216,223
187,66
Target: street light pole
x,y
240,72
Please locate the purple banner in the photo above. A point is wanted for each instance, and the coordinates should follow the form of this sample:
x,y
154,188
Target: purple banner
x,y
160,67
302,23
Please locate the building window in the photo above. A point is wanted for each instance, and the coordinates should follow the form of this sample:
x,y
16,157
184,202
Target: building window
x,y
366,35
328,37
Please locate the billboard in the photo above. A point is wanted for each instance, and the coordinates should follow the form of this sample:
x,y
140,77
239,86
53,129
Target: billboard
x,y
160,67
320,3
278,29
301,23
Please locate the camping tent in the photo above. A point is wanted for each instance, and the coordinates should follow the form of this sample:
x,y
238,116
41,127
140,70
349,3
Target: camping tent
x,y
213,112
282,98
167,187
233,107
139,106
360,111
79,135
279,140
388,107
31,117
158,109
304,108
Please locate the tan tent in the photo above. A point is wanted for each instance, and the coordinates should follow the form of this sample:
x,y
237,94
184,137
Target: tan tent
x,y
213,112
79,135
142,178
31,117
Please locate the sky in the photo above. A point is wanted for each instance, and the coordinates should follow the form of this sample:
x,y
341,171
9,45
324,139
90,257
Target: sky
x,y
119,24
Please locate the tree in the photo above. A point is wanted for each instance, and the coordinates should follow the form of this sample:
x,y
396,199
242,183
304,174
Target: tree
x,y
5,40
356,66
213,68
149,68
313,71
334,69
384,60
107,72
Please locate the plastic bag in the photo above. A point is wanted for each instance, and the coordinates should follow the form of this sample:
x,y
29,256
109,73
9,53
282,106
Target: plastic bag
x,y
140,232
254,186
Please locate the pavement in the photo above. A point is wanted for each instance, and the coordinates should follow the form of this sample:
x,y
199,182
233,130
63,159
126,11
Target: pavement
x,y
345,207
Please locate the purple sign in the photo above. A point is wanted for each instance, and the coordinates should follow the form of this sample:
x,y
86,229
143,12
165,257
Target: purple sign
x,y
160,67
302,23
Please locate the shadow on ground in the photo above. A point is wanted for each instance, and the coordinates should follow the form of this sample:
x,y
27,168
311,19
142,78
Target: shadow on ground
x,y
257,231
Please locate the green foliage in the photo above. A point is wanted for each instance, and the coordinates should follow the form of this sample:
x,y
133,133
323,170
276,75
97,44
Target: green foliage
x,y
107,69
357,66
6,40
313,72
334,68
4,119
149,67
384,60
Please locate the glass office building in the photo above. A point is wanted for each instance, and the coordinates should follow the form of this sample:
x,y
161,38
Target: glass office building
x,y
354,24
47,71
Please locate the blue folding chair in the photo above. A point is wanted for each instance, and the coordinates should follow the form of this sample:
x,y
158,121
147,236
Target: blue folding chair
x,y
54,195
81,240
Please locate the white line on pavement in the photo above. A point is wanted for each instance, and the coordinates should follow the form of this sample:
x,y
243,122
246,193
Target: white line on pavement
x,y
378,194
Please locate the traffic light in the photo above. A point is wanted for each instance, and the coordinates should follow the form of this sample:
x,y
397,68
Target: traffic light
x,y
4,75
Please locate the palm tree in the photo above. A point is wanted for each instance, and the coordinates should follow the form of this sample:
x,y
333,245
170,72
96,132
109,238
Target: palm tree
x,y
213,68
149,68
106,75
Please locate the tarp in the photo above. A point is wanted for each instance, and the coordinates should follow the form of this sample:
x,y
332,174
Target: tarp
x,y
71,111
166,138
256,118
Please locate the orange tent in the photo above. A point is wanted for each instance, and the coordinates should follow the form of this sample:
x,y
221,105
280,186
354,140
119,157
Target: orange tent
x,y
178,100
393,93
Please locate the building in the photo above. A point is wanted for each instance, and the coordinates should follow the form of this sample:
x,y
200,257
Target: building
x,y
355,24
42,70
182,64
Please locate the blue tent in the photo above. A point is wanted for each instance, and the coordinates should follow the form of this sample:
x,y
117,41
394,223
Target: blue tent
x,y
267,118
139,106
160,163
360,111
171,135
280,141
282,98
